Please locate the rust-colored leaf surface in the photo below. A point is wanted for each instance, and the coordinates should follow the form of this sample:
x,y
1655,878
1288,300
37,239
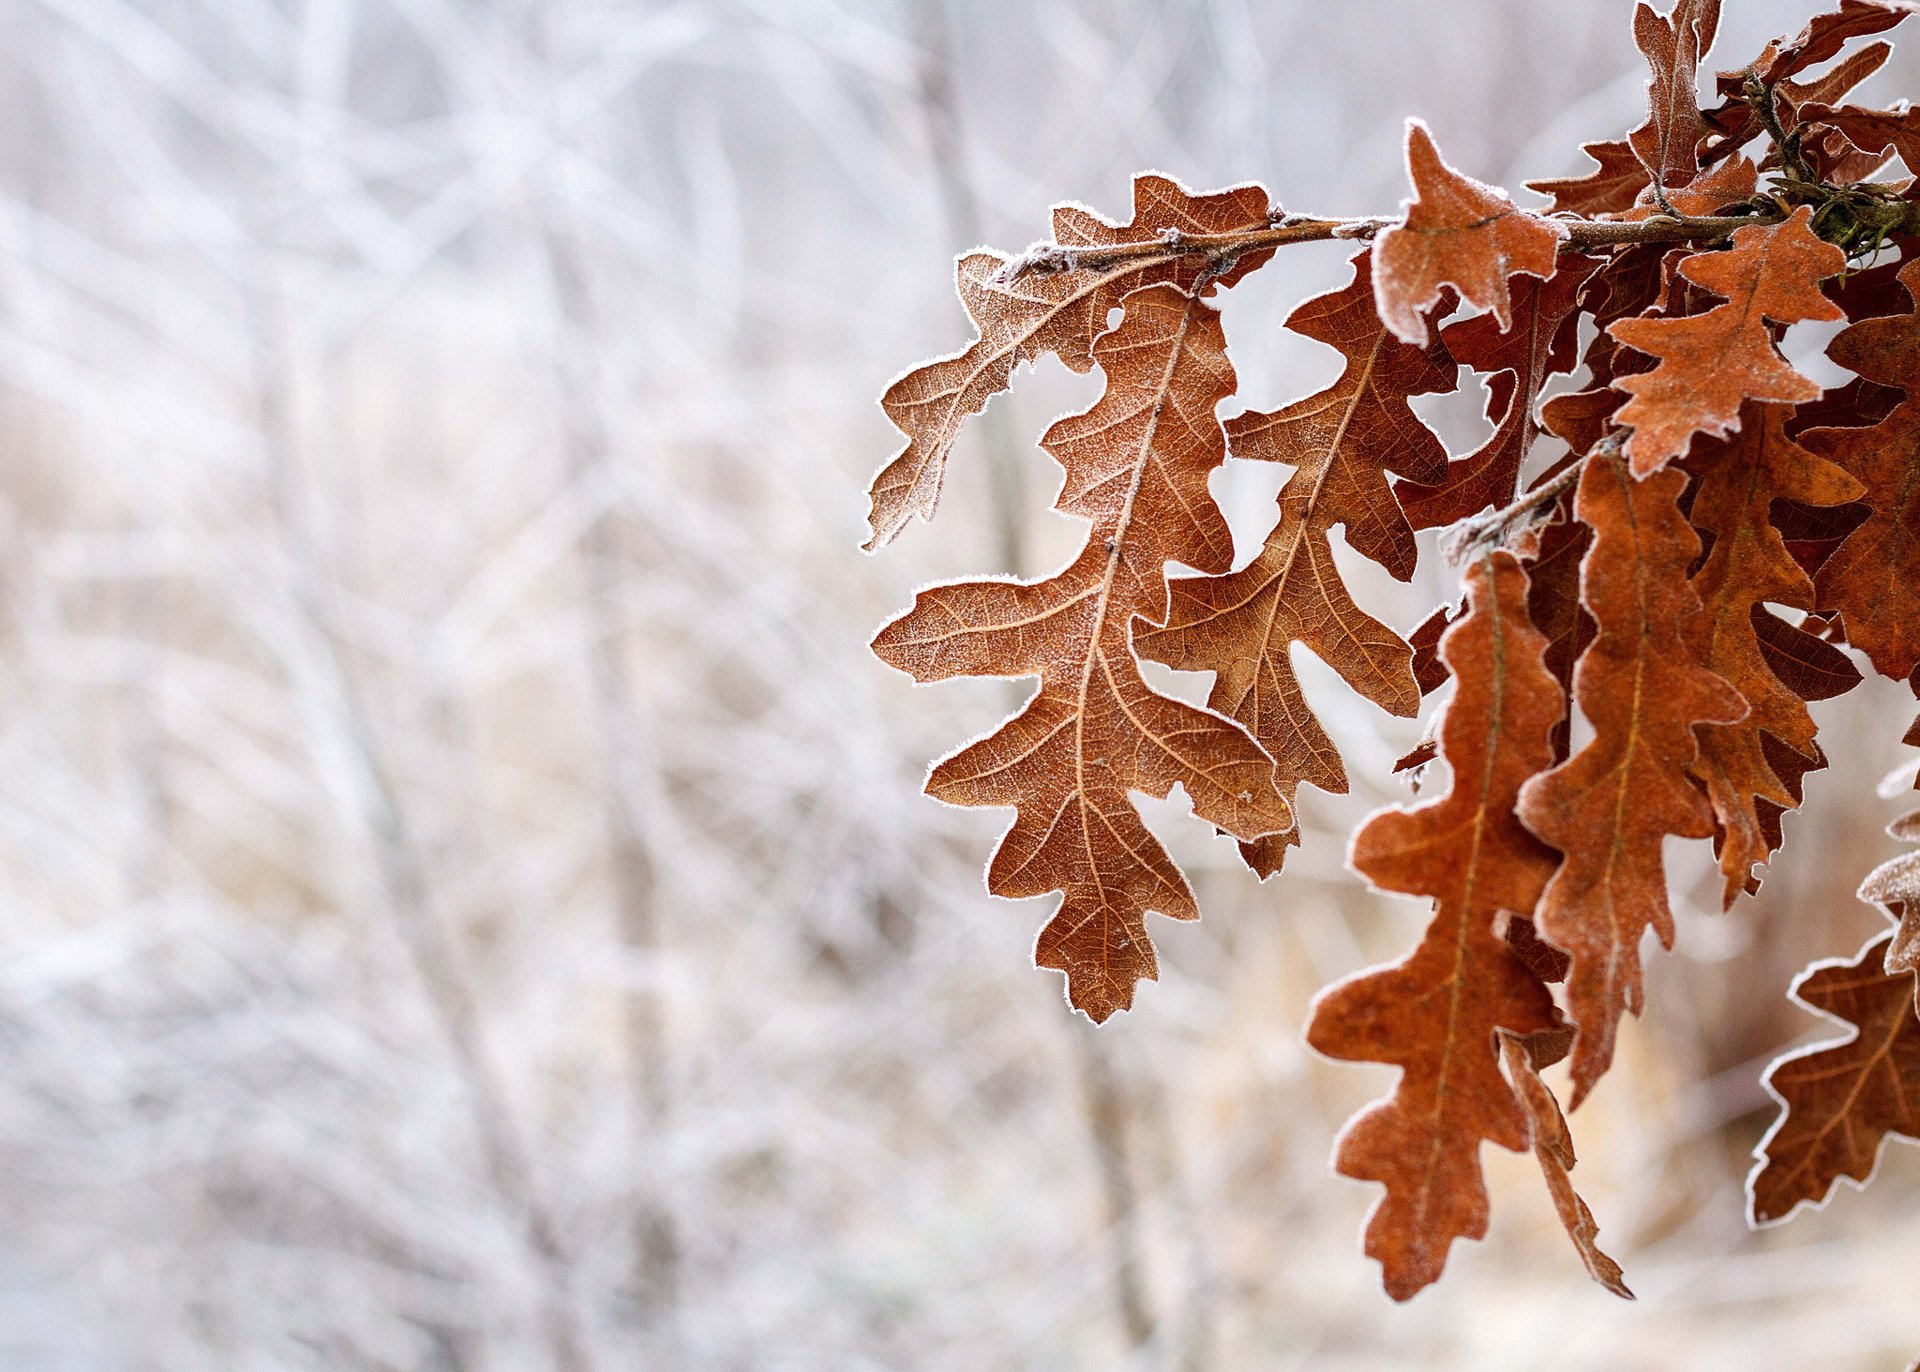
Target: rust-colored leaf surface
x,y
1435,1014
1053,311
1553,1147
1840,1101
1518,359
1873,578
1872,129
1342,442
1748,567
1609,807
1711,363
1673,45
1455,232
1820,40
1136,468
1612,186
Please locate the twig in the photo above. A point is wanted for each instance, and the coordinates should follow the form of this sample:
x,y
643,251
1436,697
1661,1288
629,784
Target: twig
x,y
1224,248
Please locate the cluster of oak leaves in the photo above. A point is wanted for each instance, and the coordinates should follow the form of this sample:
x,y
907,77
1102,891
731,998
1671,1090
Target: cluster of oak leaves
x,y
1707,482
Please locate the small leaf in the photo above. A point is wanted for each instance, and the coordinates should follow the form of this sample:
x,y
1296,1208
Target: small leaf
x,y
1840,1101
1710,363
1059,312
1455,232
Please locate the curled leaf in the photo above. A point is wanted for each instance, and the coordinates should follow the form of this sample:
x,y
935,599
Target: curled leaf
x,y
1056,311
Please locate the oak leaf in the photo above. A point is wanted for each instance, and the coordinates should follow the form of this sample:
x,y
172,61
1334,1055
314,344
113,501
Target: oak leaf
x,y
1820,39
1518,358
1060,310
1435,1014
1342,443
1747,568
1553,1147
1872,130
1136,468
1873,577
1609,807
1612,186
1710,363
1455,232
1673,44
1840,1101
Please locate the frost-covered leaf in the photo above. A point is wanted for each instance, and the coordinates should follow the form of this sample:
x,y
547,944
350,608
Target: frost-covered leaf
x,y
1136,466
1436,1013
1710,364
1455,232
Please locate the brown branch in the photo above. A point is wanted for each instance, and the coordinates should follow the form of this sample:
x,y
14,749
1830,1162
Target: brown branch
x,y
1223,248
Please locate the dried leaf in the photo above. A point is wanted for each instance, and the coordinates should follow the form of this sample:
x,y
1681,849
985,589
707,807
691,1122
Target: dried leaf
x,y
1553,603
1609,807
1710,363
1673,45
1057,311
1873,578
1553,1146
1822,38
1872,130
1435,1013
1136,468
1840,1101
1455,232
1748,567
1612,186
1342,443
1518,358
1895,885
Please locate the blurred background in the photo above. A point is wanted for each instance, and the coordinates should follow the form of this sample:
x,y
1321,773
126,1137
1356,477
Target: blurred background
x,y
468,904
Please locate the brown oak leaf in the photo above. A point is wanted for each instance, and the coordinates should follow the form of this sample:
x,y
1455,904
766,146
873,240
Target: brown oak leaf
x,y
1435,1014
1740,122
1820,39
1612,186
1873,577
1609,806
1553,603
1136,466
1870,130
1710,363
1058,311
1840,1101
1553,1146
1342,443
1673,45
1748,567
1455,232
1517,359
